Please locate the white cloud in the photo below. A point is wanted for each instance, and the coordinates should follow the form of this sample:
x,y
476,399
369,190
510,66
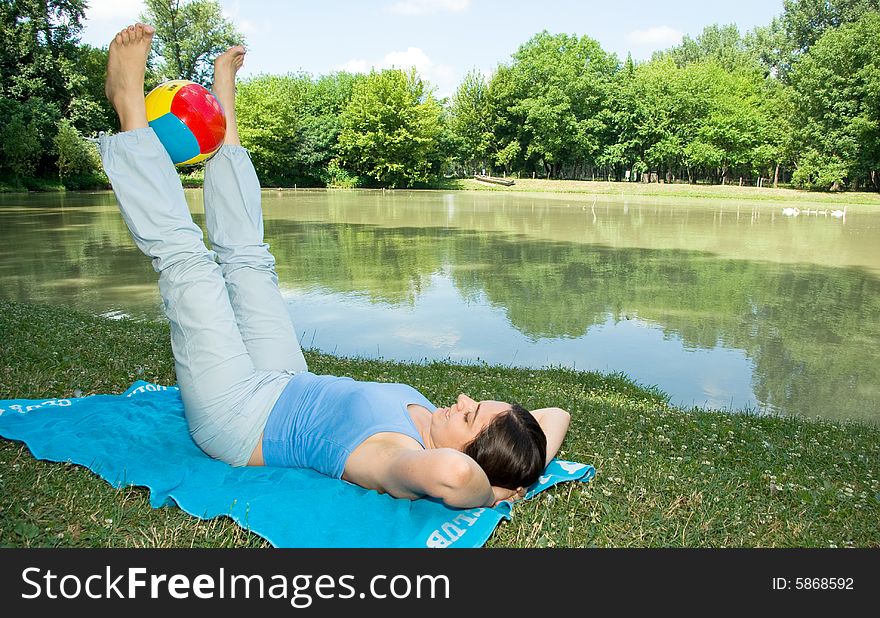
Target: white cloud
x,y
658,35
104,18
415,57
439,75
107,10
425,337
355,65
424,7
232,13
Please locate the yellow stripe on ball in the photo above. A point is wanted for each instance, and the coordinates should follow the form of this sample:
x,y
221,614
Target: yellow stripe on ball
x,y
159,100
199,158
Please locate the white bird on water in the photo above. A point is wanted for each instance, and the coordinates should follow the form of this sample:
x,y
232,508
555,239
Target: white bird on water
x,y
839,213
791,212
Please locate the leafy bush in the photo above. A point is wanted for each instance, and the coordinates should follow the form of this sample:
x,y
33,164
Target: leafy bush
x,y
391,130
76,156
337,177
26,131
819,171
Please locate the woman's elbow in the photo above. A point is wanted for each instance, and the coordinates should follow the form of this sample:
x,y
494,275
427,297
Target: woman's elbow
x,y
464,484
560,418
458,473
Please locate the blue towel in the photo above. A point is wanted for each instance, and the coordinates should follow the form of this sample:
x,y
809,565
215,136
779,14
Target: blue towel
x,y
140,438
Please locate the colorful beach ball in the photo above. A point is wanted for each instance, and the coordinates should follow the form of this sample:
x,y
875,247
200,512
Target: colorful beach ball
x,y
188,120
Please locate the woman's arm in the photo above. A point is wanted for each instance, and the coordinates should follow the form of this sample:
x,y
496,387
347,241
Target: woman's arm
x,y
442,473
554,422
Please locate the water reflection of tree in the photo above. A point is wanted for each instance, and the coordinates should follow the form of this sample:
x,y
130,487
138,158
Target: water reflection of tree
x,y
387,265
810,331
64,254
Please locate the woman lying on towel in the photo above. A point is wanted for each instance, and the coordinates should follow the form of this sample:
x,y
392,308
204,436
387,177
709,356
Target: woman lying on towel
x,y
247,392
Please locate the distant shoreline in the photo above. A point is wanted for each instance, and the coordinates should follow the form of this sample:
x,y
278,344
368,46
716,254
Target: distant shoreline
x,y
674,190
600,189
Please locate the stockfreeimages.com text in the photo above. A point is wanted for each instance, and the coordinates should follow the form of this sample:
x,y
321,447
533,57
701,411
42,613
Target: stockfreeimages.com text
x,y
300,590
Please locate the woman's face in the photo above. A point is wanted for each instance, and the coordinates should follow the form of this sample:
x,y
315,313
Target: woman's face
x,y
455,426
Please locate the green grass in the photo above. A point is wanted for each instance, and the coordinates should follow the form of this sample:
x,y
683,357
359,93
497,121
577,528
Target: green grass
x,y
666,477
656,191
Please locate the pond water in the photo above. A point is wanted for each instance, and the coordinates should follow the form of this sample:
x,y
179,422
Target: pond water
x,y
722,304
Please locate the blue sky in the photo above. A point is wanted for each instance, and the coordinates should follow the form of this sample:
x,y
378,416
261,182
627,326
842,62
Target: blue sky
x,y
443,39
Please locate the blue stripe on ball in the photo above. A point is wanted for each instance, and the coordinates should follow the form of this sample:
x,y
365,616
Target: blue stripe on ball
x,y
178,140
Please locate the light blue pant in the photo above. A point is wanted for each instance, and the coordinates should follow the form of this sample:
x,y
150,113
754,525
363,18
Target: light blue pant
x,y
234,345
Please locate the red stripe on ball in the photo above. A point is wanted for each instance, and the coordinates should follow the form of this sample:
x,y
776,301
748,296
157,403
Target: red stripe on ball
x,y
199,110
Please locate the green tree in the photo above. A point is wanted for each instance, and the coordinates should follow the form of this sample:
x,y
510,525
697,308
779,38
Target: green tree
x,y
189,35
660,115
729,129
471,120
774,149
623,151
76,156
23,132
505,150
291,125
317,135
699,119
91,112
805,21
722,44
554,98
38,40
392,129
801,24
770,46
269,109
837,106
40,80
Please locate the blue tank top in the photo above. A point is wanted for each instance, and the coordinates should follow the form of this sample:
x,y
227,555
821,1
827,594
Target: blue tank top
x,y
319,420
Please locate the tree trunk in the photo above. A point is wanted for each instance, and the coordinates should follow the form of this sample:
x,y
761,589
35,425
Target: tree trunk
x,y
776,177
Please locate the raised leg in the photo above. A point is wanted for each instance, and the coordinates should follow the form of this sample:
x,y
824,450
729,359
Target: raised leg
x,y
234,221
226,399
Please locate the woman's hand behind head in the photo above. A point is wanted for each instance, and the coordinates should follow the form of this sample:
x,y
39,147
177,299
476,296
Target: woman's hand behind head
x,y
503,493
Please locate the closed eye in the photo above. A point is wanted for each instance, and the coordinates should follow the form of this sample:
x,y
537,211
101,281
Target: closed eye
x,y
468,413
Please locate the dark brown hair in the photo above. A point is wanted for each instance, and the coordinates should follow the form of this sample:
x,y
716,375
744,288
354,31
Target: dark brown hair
x,y
511,449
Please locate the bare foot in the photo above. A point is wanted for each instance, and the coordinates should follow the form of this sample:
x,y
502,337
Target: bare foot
x,y
126,64
226,65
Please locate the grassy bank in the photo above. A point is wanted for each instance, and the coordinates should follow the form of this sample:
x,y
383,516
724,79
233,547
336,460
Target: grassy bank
x,y
82,182
666,477
602,191
677,191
